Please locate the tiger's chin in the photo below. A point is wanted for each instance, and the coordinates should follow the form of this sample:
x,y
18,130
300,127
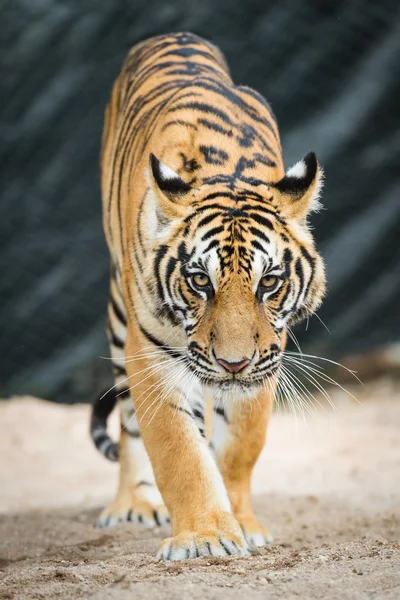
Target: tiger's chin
x,y
240,389
231,391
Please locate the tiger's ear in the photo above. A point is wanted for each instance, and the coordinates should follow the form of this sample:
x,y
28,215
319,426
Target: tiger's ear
x,y
169,188
301,187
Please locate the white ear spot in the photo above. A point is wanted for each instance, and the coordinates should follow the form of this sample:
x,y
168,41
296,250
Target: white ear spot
x,y
298,171
167,173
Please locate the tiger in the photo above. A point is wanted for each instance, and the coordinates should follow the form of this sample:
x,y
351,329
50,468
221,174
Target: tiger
x,y
212,259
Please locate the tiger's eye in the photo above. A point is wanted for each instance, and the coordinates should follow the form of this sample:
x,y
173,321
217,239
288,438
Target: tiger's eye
x,y
269,281
200,280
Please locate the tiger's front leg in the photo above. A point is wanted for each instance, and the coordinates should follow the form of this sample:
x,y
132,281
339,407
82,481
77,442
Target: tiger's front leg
x,y
186,474
237,453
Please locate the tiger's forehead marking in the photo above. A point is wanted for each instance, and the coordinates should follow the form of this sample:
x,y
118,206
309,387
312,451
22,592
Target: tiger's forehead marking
x,y
230,241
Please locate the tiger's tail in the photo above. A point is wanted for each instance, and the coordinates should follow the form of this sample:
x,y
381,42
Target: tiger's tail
x,y
101,409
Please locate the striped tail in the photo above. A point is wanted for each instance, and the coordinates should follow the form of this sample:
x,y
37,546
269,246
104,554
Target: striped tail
x,y
101,409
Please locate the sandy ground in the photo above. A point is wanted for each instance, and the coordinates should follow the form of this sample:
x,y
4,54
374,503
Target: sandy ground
x,y
328,488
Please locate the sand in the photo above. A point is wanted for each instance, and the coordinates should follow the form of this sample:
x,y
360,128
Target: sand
x,y
328,488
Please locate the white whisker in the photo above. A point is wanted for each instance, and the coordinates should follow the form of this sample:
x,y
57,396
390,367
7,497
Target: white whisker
x,y
315,382
318,373
306,356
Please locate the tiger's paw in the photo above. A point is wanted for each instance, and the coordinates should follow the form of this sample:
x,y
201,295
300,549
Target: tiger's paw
x,y
194,545
256,534
136,510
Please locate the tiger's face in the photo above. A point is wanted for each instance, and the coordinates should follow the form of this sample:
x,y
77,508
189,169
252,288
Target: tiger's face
x,y
234,269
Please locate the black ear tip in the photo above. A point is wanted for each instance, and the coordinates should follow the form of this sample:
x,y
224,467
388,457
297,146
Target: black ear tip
x,y
311,161
155,165
154,162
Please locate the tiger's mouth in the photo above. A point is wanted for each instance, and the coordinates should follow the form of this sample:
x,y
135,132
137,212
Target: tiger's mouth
x,y
255,379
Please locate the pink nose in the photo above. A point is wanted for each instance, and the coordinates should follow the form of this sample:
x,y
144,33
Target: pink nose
x,y
233,367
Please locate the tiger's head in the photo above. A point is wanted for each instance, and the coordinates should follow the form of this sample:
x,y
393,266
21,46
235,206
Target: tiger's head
x,y
233,267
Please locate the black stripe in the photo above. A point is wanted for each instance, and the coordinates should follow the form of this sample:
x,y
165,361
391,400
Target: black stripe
x,y
228,93
212,245
206,220
198,414
201,209
266,358
219,195
212,232
300,274
159,344
112,452
178,122
287,259
101,409
215,127
214,156
261,220
188,52
181,409
264,209
202,107
98,441
258,246
161,252
117,311
220,411
115,340
259,233
259,97
311,261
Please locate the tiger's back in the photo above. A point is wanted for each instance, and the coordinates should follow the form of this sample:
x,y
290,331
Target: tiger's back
x,y
174,92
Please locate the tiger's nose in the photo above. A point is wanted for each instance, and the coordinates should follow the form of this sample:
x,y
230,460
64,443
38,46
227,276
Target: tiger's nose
x,y
233,367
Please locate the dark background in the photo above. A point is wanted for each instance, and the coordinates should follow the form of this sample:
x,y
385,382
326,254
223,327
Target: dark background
x,y
329,69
